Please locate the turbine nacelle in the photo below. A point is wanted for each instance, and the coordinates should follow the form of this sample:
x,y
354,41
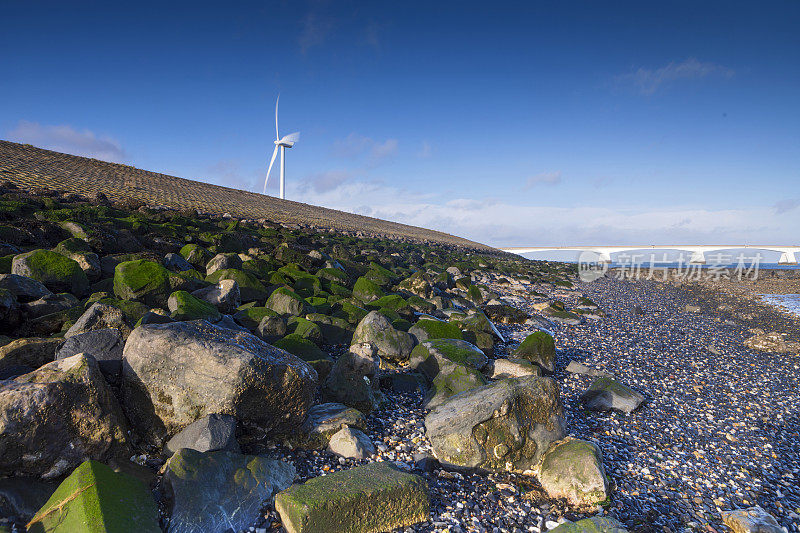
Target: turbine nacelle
x,y
289,140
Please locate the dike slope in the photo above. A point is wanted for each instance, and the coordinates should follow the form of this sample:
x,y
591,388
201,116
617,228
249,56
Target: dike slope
x,y
30,168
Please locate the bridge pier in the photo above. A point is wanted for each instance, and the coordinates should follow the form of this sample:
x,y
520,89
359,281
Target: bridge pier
x,y
787,258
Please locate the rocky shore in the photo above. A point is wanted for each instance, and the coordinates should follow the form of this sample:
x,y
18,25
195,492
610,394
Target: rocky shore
x,y
171,371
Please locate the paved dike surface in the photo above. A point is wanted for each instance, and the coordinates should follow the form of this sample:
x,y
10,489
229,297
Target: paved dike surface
x,y
31,167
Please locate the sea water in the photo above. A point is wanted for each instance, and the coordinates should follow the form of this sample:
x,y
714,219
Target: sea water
x,y
788,302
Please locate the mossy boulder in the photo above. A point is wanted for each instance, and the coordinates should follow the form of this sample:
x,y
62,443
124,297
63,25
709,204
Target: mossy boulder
x,y
195,254
94,498
332,274
251,317
305,349
349,311
306,329
573,469
184,306
450,367
335,330
285,301
366,290
428,328
372,497
395,302
380,275
538,348
55,271
250,288
146,281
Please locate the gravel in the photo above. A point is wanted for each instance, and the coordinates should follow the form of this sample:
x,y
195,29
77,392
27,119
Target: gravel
x,y
719,428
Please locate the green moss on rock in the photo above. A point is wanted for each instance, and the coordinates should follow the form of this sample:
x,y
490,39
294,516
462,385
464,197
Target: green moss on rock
x,y
372,497
57,272
184,306
96,499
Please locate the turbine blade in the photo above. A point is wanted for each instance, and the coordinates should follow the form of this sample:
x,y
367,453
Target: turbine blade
x,y
271,161
277,135
292,137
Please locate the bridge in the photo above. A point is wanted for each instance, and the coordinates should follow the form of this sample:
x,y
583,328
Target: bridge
x,y
788,253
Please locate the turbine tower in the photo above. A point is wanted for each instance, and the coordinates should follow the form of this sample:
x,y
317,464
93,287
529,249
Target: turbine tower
x,y
282,143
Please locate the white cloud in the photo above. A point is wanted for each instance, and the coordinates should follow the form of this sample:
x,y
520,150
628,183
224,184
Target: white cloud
x,y
327,181
545,178
355,145
786,205
502,223
384,149
648,81
68,140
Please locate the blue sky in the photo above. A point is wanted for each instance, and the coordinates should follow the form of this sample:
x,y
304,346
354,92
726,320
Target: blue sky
x,y
550,124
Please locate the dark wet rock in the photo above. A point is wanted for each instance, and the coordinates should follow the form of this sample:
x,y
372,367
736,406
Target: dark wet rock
x,y
352,380
221,490
211,433
176,263
105,345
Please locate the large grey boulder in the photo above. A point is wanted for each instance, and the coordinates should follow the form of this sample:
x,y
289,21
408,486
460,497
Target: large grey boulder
x,y
23,288
220,491
573,469
225,295
372,497
392,344
56,417
507,425
210,433
173,374
353,381
99,316
105,345
324,420
223,262
607,393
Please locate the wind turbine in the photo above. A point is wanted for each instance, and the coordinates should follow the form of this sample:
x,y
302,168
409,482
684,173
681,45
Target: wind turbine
x,y
283,143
